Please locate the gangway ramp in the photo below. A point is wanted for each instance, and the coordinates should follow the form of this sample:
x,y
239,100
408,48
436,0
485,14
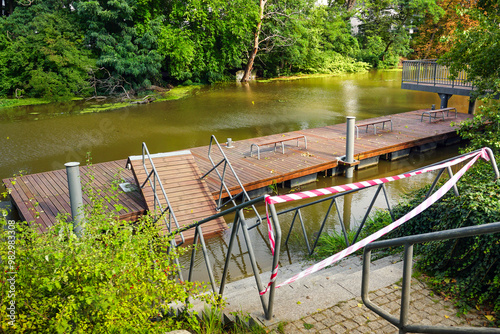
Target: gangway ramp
x,y
189,197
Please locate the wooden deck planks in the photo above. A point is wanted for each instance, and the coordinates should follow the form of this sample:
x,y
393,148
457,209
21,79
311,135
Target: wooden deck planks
x,y
324,145
41,197
189,196
193,199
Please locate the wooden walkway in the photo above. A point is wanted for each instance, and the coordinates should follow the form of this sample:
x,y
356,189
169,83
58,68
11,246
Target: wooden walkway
x,y
40,197
189,196
324,145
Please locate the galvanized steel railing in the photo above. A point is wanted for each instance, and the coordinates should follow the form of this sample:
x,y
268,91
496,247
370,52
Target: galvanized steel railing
x,y
239,223
224,162
333,199
159,212
429,72
408,242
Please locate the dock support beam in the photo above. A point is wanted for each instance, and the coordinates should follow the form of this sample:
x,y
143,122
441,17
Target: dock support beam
x,y
444,99
349,150
75,196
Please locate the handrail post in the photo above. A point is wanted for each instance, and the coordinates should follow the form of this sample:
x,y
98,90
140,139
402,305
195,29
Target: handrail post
x,y
405,292
276,258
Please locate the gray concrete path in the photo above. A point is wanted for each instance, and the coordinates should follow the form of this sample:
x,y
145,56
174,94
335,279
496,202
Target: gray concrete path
x,y
329,301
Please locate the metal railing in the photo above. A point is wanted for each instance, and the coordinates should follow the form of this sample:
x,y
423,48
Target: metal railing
x,y
380,187
239,223
408,242
429,72
225,165
159,211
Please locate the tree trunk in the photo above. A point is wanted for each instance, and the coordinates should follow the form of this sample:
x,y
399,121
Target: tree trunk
x,y
251,58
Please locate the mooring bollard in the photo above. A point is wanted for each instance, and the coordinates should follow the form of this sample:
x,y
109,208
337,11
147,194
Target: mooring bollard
x,y
229,143
349,149
75,196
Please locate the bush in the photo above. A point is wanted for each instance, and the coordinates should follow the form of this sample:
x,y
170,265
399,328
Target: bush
x,y
118,277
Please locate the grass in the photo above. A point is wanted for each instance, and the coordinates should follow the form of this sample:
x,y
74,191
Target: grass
x,y
11,103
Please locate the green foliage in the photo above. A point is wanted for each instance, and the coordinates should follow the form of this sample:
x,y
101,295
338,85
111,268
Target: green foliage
x,y
483,130
475,49
385,33
118,277
42,52
331,243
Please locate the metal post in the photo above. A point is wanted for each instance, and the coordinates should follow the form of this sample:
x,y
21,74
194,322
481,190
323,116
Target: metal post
x,y
75,196
349,150
405,291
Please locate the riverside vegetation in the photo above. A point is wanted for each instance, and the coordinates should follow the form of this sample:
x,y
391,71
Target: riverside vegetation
x,y
465,269
58,49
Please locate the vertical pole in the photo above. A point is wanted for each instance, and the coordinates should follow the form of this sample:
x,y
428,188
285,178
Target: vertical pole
x,y
349,150
75,196
405,291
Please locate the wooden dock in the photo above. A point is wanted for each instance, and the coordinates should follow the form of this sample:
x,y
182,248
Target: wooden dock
x,y
189,197
40,197
324,146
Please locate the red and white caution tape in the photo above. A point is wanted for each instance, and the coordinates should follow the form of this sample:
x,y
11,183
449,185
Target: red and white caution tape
x,y
359,185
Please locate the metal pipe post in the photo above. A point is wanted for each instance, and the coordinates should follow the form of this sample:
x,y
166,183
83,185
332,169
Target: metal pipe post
x,y
349,150
75,196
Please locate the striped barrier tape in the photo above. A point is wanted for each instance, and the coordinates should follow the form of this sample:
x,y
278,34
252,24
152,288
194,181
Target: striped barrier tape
x,y
359,185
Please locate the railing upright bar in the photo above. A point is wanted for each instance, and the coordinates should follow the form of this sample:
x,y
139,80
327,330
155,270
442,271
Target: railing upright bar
x,y
321,227
193,254
406,288
253,262
207,258
388,203
342,225
367,213
304,231
234,232
276,258
434,183
450,174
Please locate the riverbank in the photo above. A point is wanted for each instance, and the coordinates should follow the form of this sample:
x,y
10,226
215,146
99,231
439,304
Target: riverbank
x,y
93,105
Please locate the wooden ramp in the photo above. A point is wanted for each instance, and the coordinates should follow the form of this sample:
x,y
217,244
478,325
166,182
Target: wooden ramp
x,y
40,197
189,196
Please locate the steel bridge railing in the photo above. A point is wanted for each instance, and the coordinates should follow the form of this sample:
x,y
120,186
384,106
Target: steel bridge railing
x,y
239,223
429,72
381,187
408,242
224,162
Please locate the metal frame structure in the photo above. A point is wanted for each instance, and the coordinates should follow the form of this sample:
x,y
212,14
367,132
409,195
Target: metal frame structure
x,y
380,187
429,72
222,178
408,242
239,223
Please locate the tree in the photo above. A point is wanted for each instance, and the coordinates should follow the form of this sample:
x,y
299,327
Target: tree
x,y
272,23
387,26
42,52
475,49
433,37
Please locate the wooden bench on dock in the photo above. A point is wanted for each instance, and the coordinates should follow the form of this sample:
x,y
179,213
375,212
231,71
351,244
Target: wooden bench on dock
x,y
374,123
434,113
275,142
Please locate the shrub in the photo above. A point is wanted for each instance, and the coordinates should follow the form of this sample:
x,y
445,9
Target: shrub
x,y
118,277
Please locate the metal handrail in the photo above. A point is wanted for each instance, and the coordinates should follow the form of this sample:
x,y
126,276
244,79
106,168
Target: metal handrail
x,y
223,185
154,178
239,222
333,199
430,72
408,242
